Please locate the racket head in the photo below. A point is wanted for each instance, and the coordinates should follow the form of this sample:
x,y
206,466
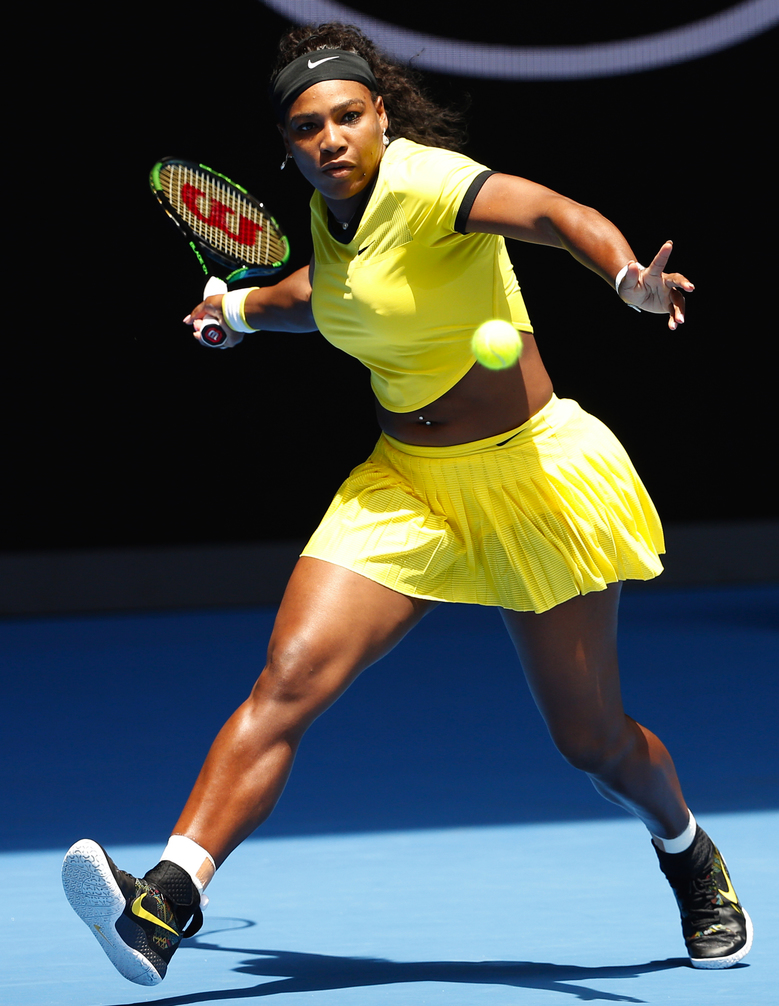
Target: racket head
x,y
220,219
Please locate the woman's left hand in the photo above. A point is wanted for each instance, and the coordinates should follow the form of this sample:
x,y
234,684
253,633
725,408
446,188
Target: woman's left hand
x,y
653,290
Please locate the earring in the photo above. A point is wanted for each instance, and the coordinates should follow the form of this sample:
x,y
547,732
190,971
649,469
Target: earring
x,y
385,139
284,162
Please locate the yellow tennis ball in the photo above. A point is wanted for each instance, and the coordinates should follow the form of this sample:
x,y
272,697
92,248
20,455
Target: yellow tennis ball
x,y
496,345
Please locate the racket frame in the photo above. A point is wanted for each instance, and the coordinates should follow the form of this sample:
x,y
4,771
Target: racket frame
x,y
202,249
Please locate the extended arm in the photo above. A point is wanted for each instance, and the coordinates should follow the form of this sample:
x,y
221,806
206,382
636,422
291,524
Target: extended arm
x,y
520,209
283,307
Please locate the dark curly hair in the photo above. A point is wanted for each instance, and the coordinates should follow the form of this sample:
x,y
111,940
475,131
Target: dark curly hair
x,y
411,112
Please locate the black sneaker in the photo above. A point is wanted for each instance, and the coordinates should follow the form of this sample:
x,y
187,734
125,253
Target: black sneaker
x,y
717,930
139,923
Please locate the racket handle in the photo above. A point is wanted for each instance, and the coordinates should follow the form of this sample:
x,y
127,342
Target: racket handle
x,y
214,286
211,334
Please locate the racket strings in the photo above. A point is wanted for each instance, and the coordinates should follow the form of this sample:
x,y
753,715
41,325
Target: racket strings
x,y
220,216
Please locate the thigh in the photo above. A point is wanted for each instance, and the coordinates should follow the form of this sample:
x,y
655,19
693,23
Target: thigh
x,y
331,625
569,656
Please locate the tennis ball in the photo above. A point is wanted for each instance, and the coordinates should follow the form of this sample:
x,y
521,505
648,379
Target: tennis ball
x,y
496,345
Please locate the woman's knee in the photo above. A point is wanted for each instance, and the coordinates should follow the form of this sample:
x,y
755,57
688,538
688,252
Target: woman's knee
x,y
594,749
298,673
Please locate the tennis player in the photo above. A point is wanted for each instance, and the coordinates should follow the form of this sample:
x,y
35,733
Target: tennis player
x,y
484,488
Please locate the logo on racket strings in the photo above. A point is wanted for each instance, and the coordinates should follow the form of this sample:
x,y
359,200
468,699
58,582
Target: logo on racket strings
x,y
218,216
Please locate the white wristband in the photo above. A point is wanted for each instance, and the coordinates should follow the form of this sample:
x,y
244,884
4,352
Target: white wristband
x,y
233,310
620,276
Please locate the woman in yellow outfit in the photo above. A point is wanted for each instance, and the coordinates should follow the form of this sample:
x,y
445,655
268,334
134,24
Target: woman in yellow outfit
x,y
484,488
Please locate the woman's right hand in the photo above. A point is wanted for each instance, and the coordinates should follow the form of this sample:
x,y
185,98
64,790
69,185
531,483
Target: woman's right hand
x,y
211,308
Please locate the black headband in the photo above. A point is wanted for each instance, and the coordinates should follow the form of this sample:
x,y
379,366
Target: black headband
x,y
313,67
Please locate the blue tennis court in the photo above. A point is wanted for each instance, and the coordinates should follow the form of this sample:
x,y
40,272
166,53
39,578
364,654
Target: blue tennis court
x,y
431,846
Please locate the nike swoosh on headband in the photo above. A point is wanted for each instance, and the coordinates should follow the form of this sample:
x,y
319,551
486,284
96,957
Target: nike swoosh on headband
x,y
317,62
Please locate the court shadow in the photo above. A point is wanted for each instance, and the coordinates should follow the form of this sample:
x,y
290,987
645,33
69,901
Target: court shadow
x,y
301,972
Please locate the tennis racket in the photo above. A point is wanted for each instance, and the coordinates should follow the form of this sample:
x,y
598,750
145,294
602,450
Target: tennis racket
x,y
222,223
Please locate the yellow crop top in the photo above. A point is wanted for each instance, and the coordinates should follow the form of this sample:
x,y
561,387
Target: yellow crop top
x,y
406,291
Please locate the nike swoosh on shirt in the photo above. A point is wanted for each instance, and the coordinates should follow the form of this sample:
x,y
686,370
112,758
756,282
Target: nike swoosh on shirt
x,y
137,909
316,63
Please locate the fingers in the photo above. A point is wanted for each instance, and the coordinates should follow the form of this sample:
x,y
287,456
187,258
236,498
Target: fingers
x,y
676,310
632,276
199,317
666,290
210,333
209,308
629,280
674,279
677,285
658,263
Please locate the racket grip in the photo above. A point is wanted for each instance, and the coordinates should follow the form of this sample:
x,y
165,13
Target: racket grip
x,y
211,334
214,286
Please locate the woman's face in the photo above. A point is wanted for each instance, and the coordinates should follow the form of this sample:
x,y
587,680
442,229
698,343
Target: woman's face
x,y
334,132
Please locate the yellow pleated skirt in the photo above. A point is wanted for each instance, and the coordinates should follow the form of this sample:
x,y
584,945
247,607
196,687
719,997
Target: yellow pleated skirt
x,y
524,520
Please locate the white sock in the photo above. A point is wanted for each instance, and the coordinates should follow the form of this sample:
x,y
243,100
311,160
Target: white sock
x,y
193,858
681,842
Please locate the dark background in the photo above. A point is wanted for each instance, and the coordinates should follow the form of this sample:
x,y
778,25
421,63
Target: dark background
x,y
122,431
